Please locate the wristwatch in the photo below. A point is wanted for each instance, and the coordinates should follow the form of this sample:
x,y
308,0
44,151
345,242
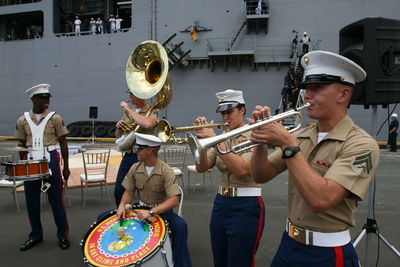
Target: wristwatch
x,y
290,151
151,212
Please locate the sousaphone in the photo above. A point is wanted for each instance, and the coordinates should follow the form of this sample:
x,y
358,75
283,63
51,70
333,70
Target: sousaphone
x,y
147,76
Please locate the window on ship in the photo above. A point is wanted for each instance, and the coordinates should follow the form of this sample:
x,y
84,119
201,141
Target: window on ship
x,y
88,11
16,2
21,26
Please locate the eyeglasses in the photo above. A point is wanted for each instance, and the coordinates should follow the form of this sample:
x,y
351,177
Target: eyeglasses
x,y
139,147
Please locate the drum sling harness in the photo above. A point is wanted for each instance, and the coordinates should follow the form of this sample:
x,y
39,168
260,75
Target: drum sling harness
x,y
38,150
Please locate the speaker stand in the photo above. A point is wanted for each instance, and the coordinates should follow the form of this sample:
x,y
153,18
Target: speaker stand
x,y
92,138
371,226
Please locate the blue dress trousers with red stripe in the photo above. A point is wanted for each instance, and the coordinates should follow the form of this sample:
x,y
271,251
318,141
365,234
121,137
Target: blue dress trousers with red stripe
x,y
236,227
295,254
32,197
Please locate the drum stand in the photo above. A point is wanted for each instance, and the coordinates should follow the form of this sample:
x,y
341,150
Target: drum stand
x,y
371,226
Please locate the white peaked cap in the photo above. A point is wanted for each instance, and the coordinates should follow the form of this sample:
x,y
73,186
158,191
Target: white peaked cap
x,y
394,115
229,99
327,67
43,88
147,140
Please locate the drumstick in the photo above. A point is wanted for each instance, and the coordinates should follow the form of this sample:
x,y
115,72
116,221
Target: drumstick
x,y
121,230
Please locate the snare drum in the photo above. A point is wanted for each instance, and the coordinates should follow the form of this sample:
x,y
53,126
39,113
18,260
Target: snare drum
x,y
144,244
22,170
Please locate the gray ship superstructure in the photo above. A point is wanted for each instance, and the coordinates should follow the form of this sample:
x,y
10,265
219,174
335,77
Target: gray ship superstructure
x,y
238,46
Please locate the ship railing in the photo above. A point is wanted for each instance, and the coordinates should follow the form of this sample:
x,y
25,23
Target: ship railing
x,y
273,53
60,34
68,34
241,43
233,36
315,45
251,45
251,8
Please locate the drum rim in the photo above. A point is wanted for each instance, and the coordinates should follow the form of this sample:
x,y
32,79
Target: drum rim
x,y
24,162
113,212
43,175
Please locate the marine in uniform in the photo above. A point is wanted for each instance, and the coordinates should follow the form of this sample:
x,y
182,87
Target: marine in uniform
x,y
330,166
238,215
131,116
47,129
155,182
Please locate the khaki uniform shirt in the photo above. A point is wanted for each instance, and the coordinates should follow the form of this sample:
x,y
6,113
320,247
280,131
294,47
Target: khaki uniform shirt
x,y
55,128
228,178
143,111
347,155
154,188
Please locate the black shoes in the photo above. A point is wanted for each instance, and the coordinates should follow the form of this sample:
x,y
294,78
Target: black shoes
x,y
64,243
30,244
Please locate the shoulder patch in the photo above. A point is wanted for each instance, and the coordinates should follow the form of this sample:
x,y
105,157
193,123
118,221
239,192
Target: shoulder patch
x,y
362,165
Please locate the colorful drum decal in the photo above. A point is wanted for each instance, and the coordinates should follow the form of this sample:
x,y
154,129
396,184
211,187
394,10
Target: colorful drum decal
x,y
104,247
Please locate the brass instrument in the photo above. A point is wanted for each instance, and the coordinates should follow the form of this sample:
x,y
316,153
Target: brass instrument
x,y
199,145
146,76
167,133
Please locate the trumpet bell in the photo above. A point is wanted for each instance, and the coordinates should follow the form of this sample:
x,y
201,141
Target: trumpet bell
x,y
164,130
147,69
194,146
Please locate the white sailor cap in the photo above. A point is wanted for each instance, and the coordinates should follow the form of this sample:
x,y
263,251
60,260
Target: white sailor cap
x,y
327,67
147,140
229,99
42,89
394,115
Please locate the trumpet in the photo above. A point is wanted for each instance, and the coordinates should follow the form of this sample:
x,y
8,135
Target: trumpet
x,y
167,133
199,145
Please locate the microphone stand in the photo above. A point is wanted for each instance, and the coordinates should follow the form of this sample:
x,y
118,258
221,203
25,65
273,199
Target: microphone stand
x,y
371,226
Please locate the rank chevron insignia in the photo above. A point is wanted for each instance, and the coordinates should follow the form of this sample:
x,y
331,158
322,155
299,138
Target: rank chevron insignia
x,y
363,164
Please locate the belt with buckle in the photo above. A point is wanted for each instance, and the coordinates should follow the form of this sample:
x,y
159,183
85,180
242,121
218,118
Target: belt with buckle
x,y
51,148
228,191
320,239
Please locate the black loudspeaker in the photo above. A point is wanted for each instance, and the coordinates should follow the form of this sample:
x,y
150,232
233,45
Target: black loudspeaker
x,y
374,44
93,112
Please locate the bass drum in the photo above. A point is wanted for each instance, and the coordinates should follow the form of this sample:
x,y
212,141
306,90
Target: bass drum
x,y
144,244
